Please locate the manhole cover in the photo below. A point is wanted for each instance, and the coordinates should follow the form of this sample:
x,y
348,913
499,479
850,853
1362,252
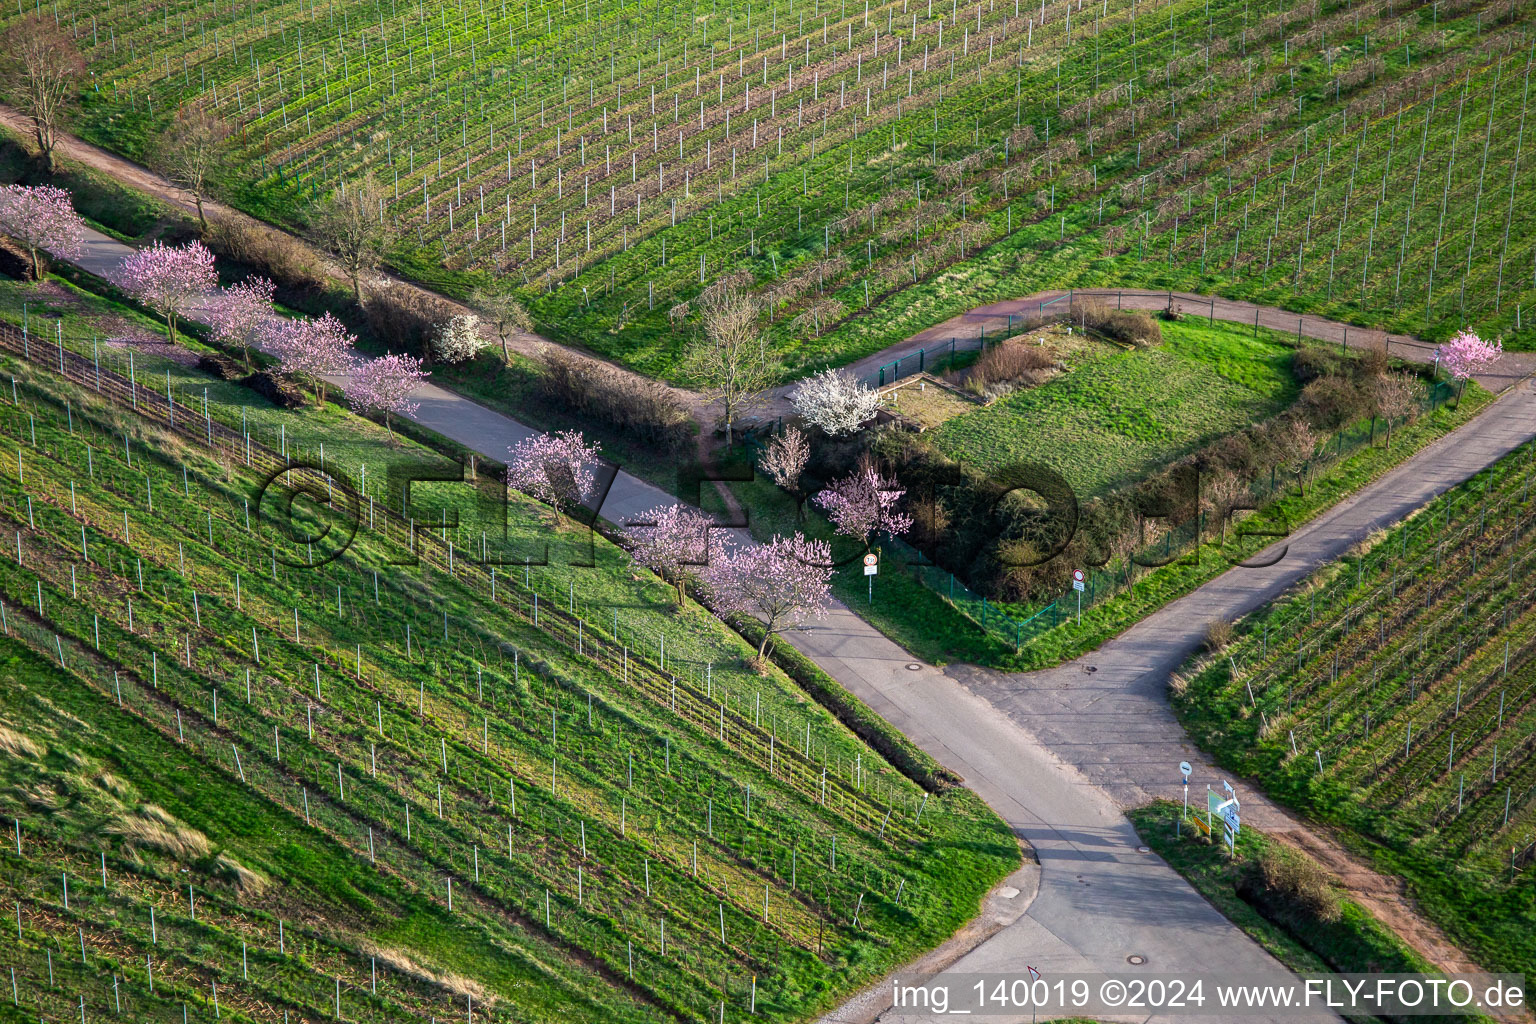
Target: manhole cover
x,y
914,667
1143,849
1135,958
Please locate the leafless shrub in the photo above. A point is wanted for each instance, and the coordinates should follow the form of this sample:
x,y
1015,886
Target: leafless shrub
x,y
1292,886
1126,326
1218,634
267,252
405,318
1013,361
644,409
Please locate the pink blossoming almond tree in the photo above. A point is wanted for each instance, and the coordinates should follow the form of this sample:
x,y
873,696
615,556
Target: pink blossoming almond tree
x,y
778,583
384,385
557,469
42,219
169,280
242,315
863,504
312,348
1466,355
672,541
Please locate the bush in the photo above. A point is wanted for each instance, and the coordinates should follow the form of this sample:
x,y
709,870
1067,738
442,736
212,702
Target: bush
x,y
1125,326
1329,402
457,339
268,253
1291,889
403,318
1311,362
1218,634
644,409
1009,363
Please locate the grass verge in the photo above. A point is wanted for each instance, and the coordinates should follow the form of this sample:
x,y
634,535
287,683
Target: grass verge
x,y
1355,943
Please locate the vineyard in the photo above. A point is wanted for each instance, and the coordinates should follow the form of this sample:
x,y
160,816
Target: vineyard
x,y
628,822
1392,695
1360,159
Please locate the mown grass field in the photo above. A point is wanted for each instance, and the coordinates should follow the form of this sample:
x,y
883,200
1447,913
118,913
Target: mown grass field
x,y
1392,696
618,819
886,168
1118,413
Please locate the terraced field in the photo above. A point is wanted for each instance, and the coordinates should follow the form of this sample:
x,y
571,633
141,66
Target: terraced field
x,y
1393,695
1358,159
223,744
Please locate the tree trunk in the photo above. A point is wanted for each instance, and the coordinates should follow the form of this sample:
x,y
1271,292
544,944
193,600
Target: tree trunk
x,y
45,147
504,357
357,289
37,266
762,648
197,197
170,327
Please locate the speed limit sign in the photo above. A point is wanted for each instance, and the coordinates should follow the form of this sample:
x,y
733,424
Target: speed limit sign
x,y
871,564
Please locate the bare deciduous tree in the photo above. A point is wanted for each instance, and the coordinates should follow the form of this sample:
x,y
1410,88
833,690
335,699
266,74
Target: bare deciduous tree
x,y
40,63
191,151
503,312
731,364
1221,494
351,226
1395,396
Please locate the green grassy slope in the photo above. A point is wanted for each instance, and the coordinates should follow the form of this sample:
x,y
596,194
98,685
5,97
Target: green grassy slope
x,y
573,761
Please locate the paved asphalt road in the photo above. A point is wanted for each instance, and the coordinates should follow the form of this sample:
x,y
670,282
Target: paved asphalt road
x,y
1059,753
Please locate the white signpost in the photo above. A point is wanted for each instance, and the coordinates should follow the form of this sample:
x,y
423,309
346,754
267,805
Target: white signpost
x,y
871,568
1228,810
1184,769
1079,581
